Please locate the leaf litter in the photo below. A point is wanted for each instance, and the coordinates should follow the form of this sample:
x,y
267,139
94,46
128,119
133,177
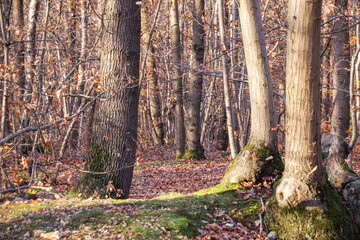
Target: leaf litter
x,y
164,204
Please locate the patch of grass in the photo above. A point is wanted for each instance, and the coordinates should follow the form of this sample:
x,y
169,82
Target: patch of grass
x,y
171,215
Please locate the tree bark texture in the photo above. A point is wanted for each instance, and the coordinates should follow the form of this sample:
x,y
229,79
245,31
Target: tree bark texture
x,y
304,200
193,144
304,171
253,163
177,76
113,144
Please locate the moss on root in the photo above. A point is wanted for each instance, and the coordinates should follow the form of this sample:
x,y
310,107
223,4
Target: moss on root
x,y
334,221
193,154
253,163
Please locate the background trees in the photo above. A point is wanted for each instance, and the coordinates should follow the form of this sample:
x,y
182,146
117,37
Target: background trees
x,y
54,53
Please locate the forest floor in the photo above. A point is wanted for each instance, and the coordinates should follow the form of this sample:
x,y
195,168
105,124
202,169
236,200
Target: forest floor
x,y
170,199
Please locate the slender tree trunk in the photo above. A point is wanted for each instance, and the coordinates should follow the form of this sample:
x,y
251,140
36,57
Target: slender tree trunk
x,y
227,90
4,102
113,144
325,92
18,21
178,88
334,146
340,117
77,132
252,163
154,95
303,193
194,148
30,48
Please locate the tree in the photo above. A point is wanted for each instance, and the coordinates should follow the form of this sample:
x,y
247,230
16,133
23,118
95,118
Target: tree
x,y
111,152
178,86
153,85
304,200
334,146
194,148
253,161
225,72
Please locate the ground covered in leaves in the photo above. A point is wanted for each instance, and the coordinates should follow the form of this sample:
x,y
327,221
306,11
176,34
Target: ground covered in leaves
x,y
170,199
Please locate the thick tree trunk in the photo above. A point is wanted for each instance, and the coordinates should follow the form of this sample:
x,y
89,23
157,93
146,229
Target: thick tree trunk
x,y
303,161
154,95
253,162
304,200
178,86
194,148
113,144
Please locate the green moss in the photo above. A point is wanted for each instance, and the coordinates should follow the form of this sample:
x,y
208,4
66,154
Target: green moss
x,y
194,154
93,184
249,167
171,215
333,222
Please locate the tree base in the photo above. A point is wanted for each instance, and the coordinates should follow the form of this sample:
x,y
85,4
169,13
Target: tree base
x,y
253,163
193,154
340,176
330,220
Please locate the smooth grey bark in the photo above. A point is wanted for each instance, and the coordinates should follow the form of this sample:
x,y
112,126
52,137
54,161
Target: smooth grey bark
x,y
227,90
113,144
193,143
177,76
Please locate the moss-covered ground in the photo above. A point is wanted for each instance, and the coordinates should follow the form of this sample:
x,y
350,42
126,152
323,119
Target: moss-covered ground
x,y
169,216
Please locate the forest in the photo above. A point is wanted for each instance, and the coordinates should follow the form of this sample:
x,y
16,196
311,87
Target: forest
x,y
174,119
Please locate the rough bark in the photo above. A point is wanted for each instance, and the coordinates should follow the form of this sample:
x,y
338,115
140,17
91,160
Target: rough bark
x,y
304,199
113,144
177,76
154,93
194,148
251,164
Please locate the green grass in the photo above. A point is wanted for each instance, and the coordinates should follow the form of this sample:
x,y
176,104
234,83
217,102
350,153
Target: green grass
x,y
172,215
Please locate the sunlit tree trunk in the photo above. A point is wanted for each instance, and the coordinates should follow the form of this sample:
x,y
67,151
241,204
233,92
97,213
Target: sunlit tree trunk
x,y
303,187
113,143
30,48
227,95
177,76
251,163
